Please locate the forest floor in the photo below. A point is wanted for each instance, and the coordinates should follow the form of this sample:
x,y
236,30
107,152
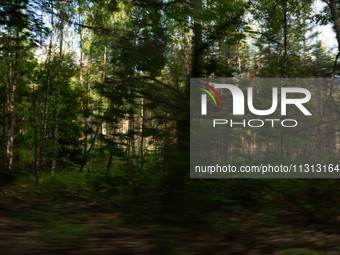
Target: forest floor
x,y
68,219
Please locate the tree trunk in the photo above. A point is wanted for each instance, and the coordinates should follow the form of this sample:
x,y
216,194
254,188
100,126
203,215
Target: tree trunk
x,y
36,156
285,57
87,123
141,144
37,126
335,16
322,117
94,138
269,55
111,155
284,146
82,83
12,107
43,136
132,137
109,165
6,103
197,60
239,60
56,120
9,97
99,114
255,65
304,50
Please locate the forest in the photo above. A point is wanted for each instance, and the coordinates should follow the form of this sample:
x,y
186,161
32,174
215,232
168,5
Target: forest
x,y
95,127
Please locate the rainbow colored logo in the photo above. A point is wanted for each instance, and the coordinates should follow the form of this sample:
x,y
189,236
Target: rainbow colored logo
x,y
209,93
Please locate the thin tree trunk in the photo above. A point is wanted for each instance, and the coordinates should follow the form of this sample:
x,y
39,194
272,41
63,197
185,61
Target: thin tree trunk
x,y
127,151
9,98
38,126
197,61
87,123
104,71
111,155
304,50
37,129
82,83
248,69
109,165
335,16
141,144
239,60
132,125
12,107
47,94
255,65
101,97
95,135
285,56
269,55
284,145
86,155
36,156
228,56
6,103
56,120
92,154
220,50
323,149
132,136
99,113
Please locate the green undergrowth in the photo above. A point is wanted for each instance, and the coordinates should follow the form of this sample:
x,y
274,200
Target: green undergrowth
x,y
60,211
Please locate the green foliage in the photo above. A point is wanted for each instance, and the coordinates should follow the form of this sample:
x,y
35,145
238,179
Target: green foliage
x,y
126,122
